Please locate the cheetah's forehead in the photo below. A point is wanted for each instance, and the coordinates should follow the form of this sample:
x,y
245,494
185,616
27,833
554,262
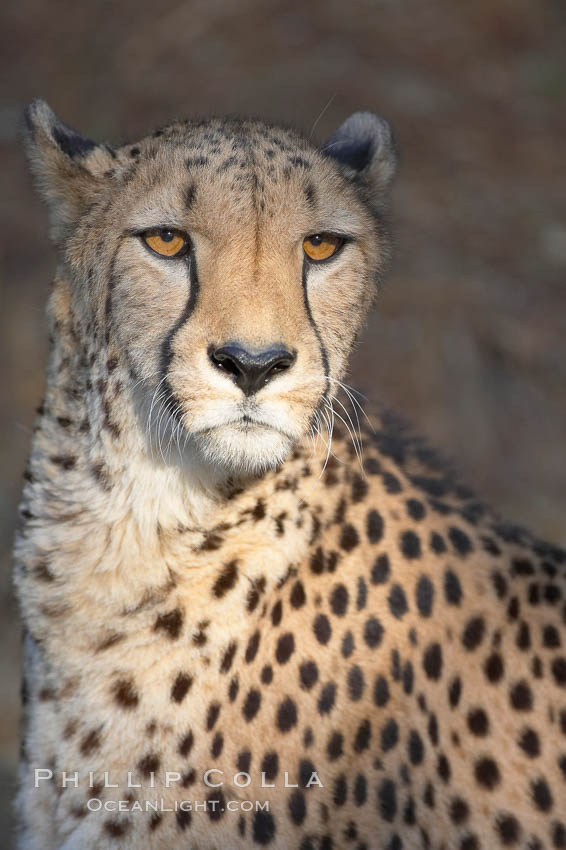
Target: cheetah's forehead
x,y
231,170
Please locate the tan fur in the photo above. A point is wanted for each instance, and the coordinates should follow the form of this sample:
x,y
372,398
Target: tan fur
x,y
177,567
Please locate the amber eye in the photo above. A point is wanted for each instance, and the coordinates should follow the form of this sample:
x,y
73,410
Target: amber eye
x,y
321,246
166,243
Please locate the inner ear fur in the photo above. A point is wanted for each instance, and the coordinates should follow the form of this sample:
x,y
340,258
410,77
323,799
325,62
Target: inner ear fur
x,y
68,168
364,148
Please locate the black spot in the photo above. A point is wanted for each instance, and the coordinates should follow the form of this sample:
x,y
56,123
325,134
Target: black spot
x,y
297,807
361,599
541,795
551,637
493,668
349,538
460,541
520,696
558,835
397,601
391,483
251,704
425,596
149,764
415,509
226,580
410,545
374,525
455,692
335,746
327,698
409,816
286,715
263,827
381,570
217,745
190,195
408,677
452,588
432,661
267,674
322,629
387,798
355,683
308,673
363,735
437,543
529,742
487,773
360,790
428,796
558,668
513,608
186,744
433,729
499,584
228,657
381,691
252,647
181,687
478,722
473,633
389,735
459,811
373,632
297,597
233,689
270,765
359,488
310,193
277,613
347,645
340,790
443,768
285,648
306,770
523,639
395,665
339,600
522,567
415,747
508,829
212,715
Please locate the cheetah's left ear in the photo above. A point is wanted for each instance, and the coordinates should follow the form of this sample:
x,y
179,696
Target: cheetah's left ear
x,y
364,148
69,169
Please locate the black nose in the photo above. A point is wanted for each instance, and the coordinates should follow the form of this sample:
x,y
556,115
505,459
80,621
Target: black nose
x,y
251,370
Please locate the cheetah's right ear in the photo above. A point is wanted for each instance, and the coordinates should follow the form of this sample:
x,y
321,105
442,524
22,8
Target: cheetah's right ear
x,y
69,169
365,150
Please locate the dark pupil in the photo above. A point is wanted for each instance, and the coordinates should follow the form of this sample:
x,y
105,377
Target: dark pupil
x,y
316,240
167,235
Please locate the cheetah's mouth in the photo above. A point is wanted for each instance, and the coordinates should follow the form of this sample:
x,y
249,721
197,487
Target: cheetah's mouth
x,y
248,441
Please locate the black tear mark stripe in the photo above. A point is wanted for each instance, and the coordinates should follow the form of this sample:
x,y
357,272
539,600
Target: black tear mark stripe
x,y
323,353
166,354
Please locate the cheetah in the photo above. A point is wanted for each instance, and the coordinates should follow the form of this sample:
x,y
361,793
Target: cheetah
x,y
252,618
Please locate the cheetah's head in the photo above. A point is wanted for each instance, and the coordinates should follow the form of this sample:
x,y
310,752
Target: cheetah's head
x,y
227,264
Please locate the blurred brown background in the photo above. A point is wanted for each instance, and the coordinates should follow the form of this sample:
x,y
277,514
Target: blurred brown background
x,y
468,338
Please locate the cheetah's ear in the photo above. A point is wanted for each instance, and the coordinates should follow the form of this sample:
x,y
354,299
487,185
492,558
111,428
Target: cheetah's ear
x,y
364,148
69,169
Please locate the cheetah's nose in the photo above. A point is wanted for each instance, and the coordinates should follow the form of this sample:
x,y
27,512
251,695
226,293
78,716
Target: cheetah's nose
x,y
251,370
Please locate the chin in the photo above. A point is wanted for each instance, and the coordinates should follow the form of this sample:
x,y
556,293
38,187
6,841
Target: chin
x,y
244,450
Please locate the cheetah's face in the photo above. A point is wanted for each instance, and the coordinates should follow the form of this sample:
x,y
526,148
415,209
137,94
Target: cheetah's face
x,y
229,264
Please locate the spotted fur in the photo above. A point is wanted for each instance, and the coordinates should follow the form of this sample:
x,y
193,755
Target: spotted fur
x,y
202,588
